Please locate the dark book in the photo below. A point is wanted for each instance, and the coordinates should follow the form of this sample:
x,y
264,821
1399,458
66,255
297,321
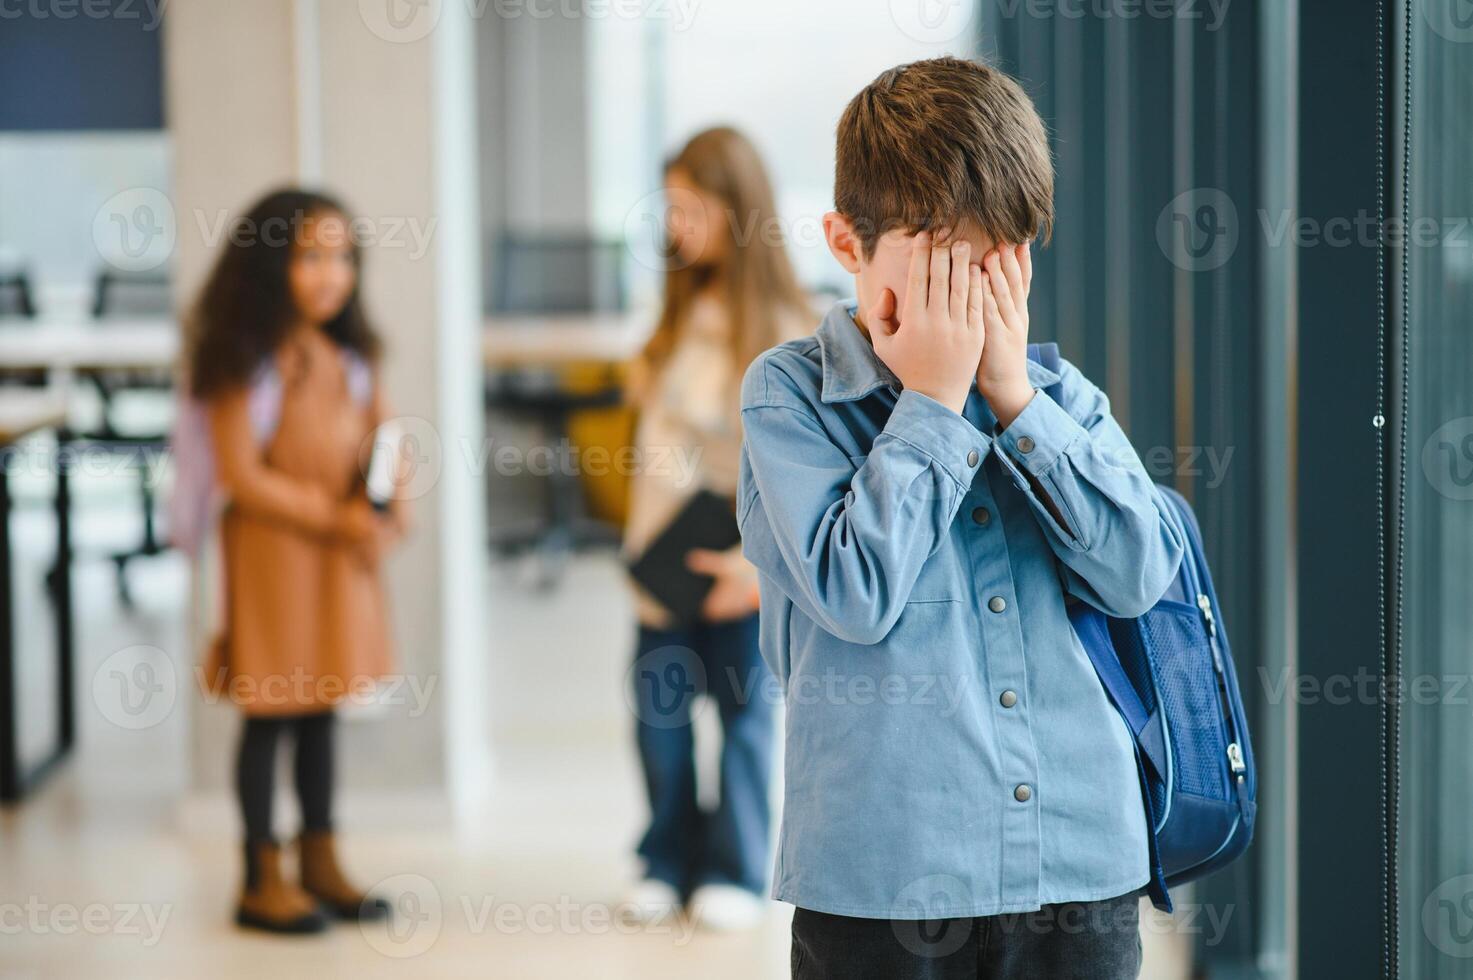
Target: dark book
x,y
707,521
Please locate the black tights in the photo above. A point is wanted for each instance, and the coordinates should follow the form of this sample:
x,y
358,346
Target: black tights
x,y
255,771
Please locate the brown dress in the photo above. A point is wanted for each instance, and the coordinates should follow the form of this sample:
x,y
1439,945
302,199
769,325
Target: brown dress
x,y
305,623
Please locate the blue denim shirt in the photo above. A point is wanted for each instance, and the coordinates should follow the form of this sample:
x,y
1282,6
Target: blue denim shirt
x,y
950,750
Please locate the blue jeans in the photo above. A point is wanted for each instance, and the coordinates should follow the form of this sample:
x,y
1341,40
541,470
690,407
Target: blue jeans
x,y
685,846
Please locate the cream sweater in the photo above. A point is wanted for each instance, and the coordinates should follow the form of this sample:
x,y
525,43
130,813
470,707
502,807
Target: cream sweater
x,y
689,435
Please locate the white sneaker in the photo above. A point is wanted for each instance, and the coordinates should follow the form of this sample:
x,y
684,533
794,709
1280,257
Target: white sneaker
x,y
726,908
650,901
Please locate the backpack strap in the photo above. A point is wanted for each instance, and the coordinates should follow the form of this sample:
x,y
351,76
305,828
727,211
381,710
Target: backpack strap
x,y
1092,628
1149,742
264,403
360,377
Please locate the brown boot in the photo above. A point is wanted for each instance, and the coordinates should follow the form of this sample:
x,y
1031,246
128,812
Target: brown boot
x,y
269,901
323,878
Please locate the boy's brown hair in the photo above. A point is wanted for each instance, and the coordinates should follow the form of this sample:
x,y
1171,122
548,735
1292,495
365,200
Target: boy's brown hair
x,y
933,143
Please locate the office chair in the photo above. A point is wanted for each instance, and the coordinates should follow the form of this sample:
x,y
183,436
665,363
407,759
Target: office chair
x,y
125,294
16,298
540,274
18,301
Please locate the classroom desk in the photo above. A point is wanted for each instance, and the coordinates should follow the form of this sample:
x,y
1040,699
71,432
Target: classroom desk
x,y
23,412
507,341
62,347
582,356
65,345
558,340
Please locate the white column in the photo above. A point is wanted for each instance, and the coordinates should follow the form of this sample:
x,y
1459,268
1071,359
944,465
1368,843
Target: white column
x,y
230,112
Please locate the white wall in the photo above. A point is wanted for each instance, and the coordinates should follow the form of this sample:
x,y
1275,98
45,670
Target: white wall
x,y
580,112
52,186
782,72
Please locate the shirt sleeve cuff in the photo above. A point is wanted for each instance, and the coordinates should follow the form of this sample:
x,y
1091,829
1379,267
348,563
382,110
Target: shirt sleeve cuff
x,y
1041,433
955,444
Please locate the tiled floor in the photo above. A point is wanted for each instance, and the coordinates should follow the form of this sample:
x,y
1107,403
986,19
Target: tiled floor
x,y
98,880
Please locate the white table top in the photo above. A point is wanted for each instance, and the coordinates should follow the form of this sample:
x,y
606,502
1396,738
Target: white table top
x,y
124,342
155,342
558,339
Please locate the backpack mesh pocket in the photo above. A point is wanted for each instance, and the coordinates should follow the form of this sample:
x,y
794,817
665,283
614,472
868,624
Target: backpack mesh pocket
x,y
1186,680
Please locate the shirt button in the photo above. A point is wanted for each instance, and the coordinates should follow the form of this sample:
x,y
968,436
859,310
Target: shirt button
x,y
1025,444
981,516
972,458
997,603
1023,793
1008,699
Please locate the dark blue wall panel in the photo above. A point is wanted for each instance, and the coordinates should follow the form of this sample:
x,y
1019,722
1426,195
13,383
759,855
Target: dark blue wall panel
x,y
80,64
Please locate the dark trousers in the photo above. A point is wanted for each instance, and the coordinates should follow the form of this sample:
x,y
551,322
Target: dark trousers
x,y
255,770
685,846
1072,941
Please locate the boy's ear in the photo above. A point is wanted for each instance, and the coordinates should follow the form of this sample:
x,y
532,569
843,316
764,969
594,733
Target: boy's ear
x,y
843,241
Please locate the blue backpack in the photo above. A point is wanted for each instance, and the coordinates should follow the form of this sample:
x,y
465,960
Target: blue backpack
x,y
1170,675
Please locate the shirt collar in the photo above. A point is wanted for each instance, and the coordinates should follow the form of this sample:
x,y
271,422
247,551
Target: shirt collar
x,y
851,369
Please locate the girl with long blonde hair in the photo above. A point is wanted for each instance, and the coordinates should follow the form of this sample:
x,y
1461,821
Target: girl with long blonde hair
x,y
730,293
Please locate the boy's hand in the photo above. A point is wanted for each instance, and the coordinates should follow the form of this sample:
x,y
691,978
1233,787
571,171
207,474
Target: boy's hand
x,y
935,344
1002,375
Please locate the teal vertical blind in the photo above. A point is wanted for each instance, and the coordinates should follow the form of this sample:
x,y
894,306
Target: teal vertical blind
x,y
1151,286
1437,792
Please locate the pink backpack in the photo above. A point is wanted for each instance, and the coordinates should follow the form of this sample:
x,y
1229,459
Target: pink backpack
x,y
196,497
